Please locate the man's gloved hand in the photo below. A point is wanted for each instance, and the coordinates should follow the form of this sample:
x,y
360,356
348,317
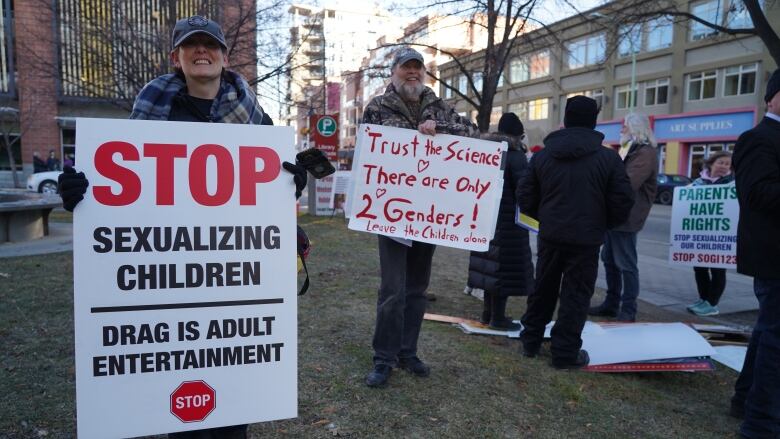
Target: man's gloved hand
x,y
72,187
299,176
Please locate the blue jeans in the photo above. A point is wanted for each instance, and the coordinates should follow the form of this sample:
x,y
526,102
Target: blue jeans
x,y
400,307
758,385
619,256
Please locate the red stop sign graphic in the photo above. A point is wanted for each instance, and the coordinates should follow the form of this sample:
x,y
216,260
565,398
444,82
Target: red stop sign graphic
x,y
193,401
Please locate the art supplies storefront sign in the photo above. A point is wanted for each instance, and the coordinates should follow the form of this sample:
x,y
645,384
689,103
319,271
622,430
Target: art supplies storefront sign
x,y
184,277
704,226
438,189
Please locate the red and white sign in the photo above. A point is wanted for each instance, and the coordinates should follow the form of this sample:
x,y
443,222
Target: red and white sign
x,y
184,272
193,401
441,189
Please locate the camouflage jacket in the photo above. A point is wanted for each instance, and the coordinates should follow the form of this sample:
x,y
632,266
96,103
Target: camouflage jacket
x,y
390,110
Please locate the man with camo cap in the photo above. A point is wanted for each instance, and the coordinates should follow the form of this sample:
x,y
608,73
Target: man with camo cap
x,y
406,265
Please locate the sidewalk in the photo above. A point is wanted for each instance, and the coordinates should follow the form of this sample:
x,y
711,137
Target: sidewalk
x,y
60,239
673,287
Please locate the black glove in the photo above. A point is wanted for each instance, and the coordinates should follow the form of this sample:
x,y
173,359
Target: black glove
x,y
299,176
72,187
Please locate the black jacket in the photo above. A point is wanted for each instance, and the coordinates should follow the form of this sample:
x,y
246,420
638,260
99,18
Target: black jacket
x,y
576,187
757,170
506,268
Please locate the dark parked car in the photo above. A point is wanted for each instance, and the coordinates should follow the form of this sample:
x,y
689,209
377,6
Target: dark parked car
x,y
666,185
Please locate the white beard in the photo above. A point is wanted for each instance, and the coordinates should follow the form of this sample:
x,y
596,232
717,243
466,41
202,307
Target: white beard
x,y
408,92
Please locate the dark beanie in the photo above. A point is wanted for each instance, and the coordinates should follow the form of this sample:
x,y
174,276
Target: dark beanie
x,y
773,86
510,124
581,111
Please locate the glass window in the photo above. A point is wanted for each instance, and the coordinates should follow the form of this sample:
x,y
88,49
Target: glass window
x,y
630,39
586,51
477,78
738,16
518,70
538,109
462,84
624,99
740,80
659,33
520,109
597,95
709,11
448,90
539,64
495,115
500,80
657,92
701,85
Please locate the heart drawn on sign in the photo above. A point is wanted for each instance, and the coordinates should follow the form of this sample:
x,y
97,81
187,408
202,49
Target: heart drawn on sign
x,y
422,165
380,192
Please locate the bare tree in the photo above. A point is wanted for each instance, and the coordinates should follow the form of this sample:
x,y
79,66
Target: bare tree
x,y
11,134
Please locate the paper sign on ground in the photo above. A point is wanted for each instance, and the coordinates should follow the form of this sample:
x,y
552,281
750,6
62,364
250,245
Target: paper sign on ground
x,y
441,189
323,189
704,226
184,277
644,341
731,356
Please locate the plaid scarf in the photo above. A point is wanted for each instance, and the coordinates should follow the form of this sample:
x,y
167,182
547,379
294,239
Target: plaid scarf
x,y
235,101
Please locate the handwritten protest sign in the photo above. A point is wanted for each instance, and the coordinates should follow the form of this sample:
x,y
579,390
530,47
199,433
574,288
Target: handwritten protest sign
x,y
441,189
184,277
704,226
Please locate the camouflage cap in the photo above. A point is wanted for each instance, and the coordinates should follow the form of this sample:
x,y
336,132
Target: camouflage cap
x,y
405,54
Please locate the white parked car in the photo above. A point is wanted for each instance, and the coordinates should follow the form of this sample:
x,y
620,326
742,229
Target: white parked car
x,y
43,182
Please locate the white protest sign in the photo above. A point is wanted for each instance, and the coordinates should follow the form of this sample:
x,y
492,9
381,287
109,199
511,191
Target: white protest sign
x,y
704,226
441,189
184,277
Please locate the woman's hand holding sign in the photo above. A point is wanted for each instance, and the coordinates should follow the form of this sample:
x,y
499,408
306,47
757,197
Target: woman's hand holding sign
x,y
428,127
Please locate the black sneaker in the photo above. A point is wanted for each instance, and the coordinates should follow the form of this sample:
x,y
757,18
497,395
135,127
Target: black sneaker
x,y
581,361
415,366
529,351
602,311
506,324
378,377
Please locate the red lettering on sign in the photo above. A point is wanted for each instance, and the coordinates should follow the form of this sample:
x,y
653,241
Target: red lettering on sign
x,y
127,179
225,175
165,153
249,175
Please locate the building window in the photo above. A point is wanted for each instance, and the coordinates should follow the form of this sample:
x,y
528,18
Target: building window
x,y
520,109
709,11
656,92
539,64
477,78
597,95
518,70
447,90
538,109
500,80
462,84
740,80
495,115
623,99
659,33
630,39
586,51
701,85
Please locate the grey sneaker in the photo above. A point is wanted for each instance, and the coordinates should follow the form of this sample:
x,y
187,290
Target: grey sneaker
x,y
705,309
694,305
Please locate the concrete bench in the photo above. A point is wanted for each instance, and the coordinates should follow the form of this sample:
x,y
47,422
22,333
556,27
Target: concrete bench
x,y
25,216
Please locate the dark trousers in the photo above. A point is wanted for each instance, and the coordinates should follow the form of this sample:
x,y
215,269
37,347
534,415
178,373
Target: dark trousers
x,y
758,385
710,282
400,307
565,271
620,267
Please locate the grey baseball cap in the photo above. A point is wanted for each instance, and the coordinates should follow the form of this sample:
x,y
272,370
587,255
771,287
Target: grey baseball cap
x,y
187,27
405,54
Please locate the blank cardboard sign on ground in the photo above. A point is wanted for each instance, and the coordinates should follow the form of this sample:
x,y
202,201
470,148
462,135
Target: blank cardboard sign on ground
x,y
624,343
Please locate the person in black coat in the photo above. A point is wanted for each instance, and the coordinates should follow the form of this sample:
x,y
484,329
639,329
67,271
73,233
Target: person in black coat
x,y
506,268
757,172
577,189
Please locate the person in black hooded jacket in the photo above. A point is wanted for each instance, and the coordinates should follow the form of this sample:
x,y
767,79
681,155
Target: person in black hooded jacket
x,y
577,189
506,268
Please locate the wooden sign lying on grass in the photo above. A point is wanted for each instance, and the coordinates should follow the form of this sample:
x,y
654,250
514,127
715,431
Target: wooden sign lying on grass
x,y
184,277
441,189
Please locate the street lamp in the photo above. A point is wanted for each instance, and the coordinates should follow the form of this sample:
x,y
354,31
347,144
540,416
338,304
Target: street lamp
x,y
631,91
